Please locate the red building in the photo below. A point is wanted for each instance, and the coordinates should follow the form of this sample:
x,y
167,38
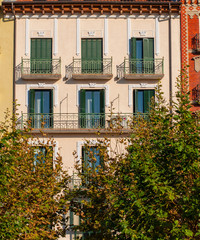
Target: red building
x,y
190,41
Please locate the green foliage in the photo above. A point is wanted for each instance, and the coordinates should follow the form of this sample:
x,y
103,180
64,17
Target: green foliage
x,y
151,190
31,203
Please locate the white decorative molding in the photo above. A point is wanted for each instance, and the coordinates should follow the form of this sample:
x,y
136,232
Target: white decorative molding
x,y
92,85
41,34
138,86
54,143
128,34
79,146
27,38
142,33
41,86
157,36
91,33
55,37
77,36
106,36
85,16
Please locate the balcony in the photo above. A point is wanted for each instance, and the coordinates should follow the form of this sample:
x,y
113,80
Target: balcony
x,y
77,123
90,69
140,69
33,69
196,43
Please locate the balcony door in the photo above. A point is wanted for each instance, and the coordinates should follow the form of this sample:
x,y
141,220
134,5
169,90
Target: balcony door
x,y
92,55
41,55
41,108
142,101
142,55
92,108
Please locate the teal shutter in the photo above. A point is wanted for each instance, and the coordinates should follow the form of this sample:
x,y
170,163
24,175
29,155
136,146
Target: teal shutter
x,y
31,100
148,94
41,55
135,101
31,106
148,55
102,108
133,48
91,55
51,108
82,116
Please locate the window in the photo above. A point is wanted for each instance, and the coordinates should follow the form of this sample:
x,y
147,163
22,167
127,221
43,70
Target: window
x,y
40,153
142,100
92,55
41,108
41,55
92,108
142,55
86,158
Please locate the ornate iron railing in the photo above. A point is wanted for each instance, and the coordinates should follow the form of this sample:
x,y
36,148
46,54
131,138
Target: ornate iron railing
x,y
64,121
42,66
103,66
144,66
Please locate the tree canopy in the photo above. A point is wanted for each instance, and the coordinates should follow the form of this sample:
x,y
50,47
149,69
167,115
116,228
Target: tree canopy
x,y
152,190
32,180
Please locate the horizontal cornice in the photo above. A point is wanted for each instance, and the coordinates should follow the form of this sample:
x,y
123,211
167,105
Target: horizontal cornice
x,y
80,7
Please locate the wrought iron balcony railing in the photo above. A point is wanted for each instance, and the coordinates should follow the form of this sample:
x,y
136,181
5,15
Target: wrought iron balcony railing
x,y
30,68
144,66
99,68
65,121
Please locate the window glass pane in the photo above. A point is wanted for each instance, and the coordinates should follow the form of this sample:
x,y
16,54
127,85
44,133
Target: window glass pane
x,y
96,104
46,102
38,102
88,101
141,101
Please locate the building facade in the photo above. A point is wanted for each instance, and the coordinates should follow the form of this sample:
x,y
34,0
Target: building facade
x,y
191,48
6,64
78,61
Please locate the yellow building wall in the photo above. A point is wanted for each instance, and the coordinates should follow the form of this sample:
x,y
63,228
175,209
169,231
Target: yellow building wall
x,y
6,64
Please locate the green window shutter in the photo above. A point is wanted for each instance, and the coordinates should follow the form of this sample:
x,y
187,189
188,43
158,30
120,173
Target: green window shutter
x,y
133,48
148,94
135,110
148,48
82,101
33,48
82,116
31,100
51,101
102,101
102,108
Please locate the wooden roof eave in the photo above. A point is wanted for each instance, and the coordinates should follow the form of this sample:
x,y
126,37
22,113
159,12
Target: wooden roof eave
x,y
82,7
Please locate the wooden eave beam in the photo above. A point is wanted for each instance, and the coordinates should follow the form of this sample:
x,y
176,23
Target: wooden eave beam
x,y
91,8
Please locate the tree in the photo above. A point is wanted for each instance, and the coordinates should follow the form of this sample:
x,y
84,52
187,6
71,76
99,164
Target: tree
x,y
152,191
32,202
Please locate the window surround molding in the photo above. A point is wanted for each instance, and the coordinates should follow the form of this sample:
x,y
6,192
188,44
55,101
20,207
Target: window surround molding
x,y
54,143
92,86
43,86
80,144
138,86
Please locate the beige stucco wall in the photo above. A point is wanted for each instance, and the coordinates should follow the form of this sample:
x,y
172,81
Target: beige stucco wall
x,y
6,65
117,49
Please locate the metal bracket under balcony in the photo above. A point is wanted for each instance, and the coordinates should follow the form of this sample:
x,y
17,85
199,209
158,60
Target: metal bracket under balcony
x,y
90,69
144,69
34,69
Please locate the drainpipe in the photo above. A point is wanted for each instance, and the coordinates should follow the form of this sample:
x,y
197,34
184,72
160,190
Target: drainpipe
x,y
170,60
14,61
